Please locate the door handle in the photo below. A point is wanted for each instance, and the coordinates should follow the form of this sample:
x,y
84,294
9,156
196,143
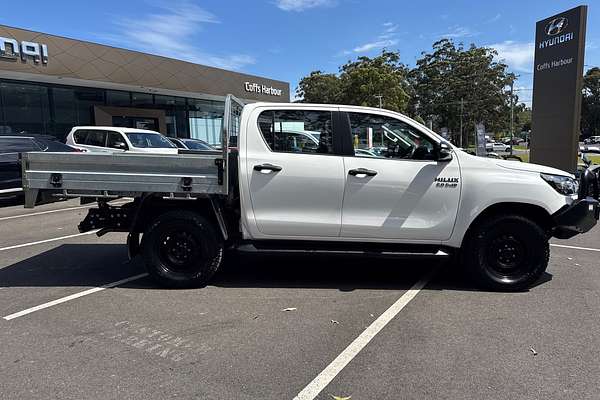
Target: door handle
x,y
267,168
362,172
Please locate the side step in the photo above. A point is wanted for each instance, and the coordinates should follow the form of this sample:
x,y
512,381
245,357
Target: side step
x,y
348,249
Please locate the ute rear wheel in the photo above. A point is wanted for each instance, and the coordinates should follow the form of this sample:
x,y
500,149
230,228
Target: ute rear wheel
x,y
181,249
506,253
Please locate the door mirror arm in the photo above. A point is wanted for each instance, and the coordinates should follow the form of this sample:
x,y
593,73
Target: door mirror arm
x,y
444,152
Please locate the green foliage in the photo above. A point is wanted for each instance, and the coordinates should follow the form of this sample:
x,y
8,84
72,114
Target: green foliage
x,y
590,104
453,79
383,75
445,82
319,88
359,82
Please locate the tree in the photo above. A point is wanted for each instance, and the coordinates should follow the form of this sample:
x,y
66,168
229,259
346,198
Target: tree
x,y
359,82
319,87
452,81
364,79
590,103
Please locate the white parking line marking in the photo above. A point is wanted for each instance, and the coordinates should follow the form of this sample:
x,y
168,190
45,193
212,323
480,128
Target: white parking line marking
x,y
45,212
18,246
55,211
73,296
312,390
574,247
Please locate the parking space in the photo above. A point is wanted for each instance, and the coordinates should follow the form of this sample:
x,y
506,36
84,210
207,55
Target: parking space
x,y
267,327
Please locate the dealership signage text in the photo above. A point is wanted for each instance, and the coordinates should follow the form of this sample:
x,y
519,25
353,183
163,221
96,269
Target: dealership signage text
x,y
11,49
264,89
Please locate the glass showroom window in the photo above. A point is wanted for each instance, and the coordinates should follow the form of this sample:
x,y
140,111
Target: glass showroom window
x,y
26,108
206,119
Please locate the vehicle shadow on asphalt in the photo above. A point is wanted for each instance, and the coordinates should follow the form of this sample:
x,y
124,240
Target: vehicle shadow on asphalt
x,y
99,264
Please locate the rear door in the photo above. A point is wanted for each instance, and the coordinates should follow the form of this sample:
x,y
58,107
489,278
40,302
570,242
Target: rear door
x,y
295,172
400,190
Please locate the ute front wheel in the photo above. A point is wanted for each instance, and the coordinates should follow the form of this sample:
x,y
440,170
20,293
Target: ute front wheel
x,y
506,253
181,249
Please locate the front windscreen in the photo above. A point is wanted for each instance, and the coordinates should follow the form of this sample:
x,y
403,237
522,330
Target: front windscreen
x,y
149,140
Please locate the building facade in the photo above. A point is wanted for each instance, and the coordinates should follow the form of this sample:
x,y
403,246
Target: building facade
x,y
48,84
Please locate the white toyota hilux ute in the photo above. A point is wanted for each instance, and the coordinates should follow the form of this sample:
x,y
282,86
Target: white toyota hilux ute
x,y
323,178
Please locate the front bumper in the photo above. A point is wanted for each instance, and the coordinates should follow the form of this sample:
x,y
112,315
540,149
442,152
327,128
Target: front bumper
x,y
579,217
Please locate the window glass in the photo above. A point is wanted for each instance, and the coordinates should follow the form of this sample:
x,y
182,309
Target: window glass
x,y
206,120
149,140
65,111
114,139
86,99
385,137
297,131
196,144
118,98
79,136
142,100
96,138
17,145
26,108
178,143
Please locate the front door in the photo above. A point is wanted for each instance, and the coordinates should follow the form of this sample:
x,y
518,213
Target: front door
x,y
295,178
395,188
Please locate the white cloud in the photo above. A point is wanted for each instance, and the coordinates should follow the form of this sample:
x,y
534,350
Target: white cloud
x,y
380,44
386,39
494,19
172,32
456,31
517,55
301,5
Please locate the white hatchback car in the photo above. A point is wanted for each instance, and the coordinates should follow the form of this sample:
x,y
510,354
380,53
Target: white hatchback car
x,y
115,139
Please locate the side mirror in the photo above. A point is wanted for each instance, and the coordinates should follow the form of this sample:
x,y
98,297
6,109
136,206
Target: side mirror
x,y
585,159
444,152
120,146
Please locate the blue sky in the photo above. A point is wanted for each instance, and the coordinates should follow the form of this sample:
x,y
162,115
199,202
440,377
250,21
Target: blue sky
x,y
286,39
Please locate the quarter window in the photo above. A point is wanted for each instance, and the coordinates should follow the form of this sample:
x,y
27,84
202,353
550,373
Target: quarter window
x,y
385,137
79,136
297,131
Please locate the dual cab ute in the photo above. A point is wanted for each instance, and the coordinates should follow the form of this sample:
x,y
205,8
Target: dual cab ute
x,y
290,178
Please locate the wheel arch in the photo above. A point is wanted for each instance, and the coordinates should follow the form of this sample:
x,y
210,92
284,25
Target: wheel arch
x,y
534,212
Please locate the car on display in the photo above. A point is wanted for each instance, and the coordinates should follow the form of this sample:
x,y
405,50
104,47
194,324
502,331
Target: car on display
x,y
589,149
592,140
274,190
10,164
191,144
113,139
497,146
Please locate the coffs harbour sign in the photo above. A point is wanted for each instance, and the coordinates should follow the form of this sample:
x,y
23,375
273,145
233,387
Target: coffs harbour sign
x,y
11,49
262,89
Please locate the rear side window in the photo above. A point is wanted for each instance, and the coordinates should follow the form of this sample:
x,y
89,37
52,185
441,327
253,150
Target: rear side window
x,y
17,145
96,138
297,131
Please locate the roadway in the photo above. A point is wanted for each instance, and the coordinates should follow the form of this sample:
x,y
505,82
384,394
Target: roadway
x,y
354,327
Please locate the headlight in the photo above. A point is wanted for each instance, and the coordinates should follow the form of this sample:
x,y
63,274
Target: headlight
x,y
562,184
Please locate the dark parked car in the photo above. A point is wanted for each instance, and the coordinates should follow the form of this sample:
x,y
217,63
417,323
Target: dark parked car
x,y
191,144
10,166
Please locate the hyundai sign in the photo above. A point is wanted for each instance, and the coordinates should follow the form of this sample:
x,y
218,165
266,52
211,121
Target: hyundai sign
x,y
557,83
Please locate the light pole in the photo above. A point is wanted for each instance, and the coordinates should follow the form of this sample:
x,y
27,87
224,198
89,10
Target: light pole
x,y
512,113
380,97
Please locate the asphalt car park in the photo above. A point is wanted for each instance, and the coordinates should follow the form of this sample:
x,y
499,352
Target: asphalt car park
x,y
81,321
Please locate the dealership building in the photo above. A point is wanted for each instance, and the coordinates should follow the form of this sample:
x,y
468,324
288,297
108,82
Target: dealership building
x,y
48,84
